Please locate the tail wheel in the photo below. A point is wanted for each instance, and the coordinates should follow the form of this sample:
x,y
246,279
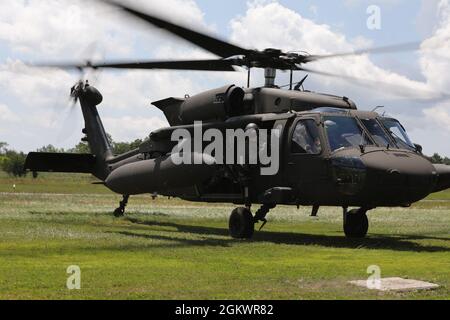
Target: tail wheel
x,y
119,213
241,224
356,223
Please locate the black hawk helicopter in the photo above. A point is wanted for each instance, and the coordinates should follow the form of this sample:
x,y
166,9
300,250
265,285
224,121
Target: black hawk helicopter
x,y
330,153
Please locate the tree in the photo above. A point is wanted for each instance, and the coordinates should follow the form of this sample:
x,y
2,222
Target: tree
x,y
3,150
135,144
82,147
436,158
123,147
50,149
3,146
14,163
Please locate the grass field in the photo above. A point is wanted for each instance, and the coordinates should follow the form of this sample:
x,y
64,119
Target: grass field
x,y
170,249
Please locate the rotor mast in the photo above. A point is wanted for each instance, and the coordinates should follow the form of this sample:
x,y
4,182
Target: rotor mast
x,y
270,75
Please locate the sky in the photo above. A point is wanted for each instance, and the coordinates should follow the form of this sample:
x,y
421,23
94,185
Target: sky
x,y
34,103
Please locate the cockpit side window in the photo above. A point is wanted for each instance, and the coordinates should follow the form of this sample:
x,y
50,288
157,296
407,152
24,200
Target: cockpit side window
x,y
398,133
378,133
305,139
344,132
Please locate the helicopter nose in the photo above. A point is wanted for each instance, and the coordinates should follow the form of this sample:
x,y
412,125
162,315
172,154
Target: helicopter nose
x,y
398,178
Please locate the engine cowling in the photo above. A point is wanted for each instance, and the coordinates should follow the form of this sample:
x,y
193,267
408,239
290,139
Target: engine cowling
x,y
213,105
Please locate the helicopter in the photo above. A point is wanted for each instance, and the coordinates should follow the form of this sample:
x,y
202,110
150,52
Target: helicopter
x,y
328,152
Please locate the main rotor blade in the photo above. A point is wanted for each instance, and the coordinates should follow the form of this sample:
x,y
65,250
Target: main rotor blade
x,y
409,46
398,90
209,43
201,65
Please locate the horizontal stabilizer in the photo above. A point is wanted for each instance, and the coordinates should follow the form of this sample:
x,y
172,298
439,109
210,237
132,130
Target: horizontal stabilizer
x,y
60,162
171,109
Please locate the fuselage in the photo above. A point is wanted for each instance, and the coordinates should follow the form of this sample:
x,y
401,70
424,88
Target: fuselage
x,y
323,152
327,156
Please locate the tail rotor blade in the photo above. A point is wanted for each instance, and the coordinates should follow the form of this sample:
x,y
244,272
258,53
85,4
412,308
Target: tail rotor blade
x,y
68,123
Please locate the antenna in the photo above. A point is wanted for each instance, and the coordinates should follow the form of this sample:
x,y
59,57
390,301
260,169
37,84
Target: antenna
x,y
300,84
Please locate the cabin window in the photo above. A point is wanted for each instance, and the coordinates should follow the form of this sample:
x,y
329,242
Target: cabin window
x,y
344,132
305,139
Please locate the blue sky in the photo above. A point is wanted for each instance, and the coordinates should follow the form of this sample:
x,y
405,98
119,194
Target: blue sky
x,y
35,30
401,22
399,17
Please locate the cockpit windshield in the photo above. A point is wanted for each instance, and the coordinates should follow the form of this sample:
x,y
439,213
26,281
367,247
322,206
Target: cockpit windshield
x,y
344,132
398,133
376,130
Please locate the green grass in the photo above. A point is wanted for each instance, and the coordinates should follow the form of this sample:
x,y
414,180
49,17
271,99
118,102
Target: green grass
x,y
52,183
170,249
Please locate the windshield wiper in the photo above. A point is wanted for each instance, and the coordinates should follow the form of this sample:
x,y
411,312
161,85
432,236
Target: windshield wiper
x,y
363,144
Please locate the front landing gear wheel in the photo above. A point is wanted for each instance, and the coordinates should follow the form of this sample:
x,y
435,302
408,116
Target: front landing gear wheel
x,y
356,223
241,224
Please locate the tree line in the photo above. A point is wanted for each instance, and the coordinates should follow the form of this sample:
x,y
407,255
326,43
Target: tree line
x,y
12,162
438,159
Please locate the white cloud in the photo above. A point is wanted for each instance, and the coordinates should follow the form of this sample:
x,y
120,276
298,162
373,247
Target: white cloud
x,y
440,116
435,65
63,30
435,54
286,29
427,17
129,128
7,115
53,28
56,28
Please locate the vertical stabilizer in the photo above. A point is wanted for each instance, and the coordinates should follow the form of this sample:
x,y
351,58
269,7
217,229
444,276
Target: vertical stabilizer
x,y
96,137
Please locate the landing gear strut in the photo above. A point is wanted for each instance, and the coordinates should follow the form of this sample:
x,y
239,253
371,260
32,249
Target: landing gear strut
x,y
242,222
356,223
261,214
120,211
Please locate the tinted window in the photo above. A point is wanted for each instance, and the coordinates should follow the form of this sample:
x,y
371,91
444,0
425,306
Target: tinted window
x,y
344,132
306,138
398,133
377,132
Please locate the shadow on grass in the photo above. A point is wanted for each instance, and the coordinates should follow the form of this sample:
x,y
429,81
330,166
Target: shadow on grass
x,y
88,213
387,242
